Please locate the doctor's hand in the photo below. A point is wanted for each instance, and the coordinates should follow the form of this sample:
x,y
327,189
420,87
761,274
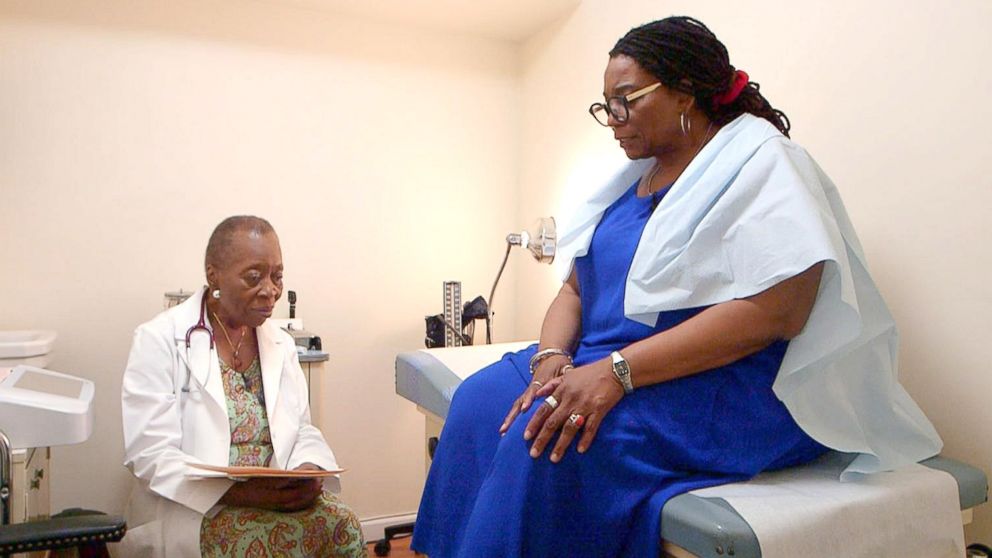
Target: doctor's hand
x,y
546,372
278,494
582,397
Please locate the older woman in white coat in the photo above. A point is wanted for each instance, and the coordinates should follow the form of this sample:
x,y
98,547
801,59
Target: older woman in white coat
x,y
211,381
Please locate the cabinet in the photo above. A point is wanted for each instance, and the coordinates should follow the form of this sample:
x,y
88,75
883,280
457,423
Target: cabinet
x,y
29,483
29,495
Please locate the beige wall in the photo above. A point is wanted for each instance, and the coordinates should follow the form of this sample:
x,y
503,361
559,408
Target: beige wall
x,y
890,97
128,130
385,158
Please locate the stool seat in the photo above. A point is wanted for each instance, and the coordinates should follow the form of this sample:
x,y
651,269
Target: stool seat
x,y
61,532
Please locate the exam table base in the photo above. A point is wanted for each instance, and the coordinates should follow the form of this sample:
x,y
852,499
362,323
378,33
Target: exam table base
x,y
432,431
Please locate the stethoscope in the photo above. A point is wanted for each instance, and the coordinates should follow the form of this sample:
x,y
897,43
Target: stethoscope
x,y
199,326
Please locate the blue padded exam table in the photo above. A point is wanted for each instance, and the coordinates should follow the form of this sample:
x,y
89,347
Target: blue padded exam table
x,y
691,526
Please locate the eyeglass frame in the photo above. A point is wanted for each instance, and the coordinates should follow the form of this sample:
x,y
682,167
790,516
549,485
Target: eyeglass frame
x,y
625,101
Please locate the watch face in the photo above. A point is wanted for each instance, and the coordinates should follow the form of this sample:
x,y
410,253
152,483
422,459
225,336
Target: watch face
x,y
622,371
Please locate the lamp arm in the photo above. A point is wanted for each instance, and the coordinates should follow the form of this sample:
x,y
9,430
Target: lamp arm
x,y
492,293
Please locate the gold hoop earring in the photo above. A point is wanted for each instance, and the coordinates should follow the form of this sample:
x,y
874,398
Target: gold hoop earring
x,y
686,124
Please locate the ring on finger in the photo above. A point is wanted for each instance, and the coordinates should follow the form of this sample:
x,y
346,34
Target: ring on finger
x,y
550,401
537,383
577,420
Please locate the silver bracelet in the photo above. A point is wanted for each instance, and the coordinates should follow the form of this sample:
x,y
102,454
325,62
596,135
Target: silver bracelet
x,y
543,354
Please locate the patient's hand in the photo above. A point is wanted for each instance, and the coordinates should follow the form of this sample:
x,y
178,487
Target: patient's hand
x,y
549,369
278,494
589,391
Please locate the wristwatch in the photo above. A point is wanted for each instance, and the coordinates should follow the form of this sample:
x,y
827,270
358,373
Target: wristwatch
x,y
622,372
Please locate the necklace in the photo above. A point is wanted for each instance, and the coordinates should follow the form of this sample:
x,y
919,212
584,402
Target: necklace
x,y
236,349
650,177
657,167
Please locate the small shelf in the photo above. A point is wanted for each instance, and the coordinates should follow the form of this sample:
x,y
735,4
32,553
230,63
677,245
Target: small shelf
x,y
314,356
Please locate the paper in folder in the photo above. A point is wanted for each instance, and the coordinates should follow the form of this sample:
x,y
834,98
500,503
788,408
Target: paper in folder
x,y
211,471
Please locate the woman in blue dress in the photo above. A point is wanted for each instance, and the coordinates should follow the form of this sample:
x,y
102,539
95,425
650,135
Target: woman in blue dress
x,y
572,447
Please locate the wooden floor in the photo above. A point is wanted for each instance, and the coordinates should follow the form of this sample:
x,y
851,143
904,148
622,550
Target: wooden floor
x,y
400,549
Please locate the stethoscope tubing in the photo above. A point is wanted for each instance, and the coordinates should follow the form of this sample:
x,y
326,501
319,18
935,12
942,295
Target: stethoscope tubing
x,y
200,325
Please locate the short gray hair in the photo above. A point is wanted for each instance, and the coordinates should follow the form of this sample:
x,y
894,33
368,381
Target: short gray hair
x,y
219,245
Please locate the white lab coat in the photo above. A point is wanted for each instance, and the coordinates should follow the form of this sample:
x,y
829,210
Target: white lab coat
x,y
167,426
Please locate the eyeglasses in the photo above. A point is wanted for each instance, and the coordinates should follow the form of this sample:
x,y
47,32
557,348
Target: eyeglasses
x,y
619,107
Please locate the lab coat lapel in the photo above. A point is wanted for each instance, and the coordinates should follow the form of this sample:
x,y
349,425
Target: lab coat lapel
x,y
200,359
271,356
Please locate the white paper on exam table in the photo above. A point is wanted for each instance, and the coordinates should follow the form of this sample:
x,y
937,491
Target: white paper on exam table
x,y
465,361
912,511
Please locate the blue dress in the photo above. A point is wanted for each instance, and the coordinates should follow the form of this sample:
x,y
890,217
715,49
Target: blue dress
x,y
485,496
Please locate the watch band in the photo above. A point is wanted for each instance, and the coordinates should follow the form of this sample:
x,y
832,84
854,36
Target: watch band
x,y
621,370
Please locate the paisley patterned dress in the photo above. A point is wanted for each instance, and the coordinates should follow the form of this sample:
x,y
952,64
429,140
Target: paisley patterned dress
x,y
328,529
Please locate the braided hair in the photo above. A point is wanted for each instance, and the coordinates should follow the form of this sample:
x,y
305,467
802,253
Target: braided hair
x,y
686,56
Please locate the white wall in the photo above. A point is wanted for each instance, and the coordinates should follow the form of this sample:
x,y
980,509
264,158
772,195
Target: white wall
x,y
385,158
890,97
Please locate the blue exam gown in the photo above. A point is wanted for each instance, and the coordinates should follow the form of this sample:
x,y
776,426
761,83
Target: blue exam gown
x,y
485,496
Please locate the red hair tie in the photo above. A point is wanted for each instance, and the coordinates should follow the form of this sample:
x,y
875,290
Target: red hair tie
x,y
740,82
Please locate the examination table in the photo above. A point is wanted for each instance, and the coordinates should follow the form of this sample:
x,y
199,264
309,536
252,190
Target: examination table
x,y
691,526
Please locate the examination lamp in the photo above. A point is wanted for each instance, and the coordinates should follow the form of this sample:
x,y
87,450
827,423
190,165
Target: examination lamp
x,y
540,240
